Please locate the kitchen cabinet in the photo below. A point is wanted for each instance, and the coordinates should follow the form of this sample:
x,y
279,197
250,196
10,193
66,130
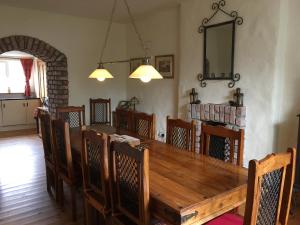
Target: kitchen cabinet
x,y
18,112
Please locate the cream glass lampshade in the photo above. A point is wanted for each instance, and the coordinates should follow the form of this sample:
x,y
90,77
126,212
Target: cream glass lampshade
x,y
146,73
101,74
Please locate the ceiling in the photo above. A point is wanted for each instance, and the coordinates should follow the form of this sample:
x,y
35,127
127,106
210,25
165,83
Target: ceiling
x,y
97,9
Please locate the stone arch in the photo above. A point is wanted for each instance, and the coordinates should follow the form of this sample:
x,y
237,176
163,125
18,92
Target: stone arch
x,y
56,65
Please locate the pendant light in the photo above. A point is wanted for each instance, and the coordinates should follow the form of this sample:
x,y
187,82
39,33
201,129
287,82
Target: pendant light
x,y
145,72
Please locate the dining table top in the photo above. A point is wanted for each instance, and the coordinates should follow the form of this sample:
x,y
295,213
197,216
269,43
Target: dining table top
x,y
186,187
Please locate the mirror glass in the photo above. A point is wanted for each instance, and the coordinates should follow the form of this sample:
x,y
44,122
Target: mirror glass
x,y
219,50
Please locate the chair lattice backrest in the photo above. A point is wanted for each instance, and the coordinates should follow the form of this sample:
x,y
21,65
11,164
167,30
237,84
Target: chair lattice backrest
x,y
74,115
100,111
181,134
95,165
124,119
223,143
144,125
270,184
62,147
131,182
47,137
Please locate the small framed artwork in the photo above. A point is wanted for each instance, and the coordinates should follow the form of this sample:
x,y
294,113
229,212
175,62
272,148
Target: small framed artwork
x,y
135,63
164,64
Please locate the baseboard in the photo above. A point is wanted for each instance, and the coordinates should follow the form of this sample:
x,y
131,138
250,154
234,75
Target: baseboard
x,y
19,132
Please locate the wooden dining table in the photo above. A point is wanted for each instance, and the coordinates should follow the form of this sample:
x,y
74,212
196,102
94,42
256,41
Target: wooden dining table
x,y
185,187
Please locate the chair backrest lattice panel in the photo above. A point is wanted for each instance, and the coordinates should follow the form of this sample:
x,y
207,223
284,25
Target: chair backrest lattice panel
x,y
269,199
47,137
95,165
62,147
223,143
131,181
124,119
269,192
74,115
181,134
144,125
100,111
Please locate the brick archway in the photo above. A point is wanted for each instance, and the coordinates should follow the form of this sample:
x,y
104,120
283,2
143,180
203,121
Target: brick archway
x,y
56,63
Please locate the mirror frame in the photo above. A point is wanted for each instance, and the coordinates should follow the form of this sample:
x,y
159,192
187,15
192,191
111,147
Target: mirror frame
x,y
235,20
207,76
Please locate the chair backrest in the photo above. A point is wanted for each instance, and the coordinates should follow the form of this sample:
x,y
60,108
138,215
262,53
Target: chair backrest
x,y
62,147
95,166
270,184
74,115
100,111
130,169
124,119
181,134
223,143
144,125
46,130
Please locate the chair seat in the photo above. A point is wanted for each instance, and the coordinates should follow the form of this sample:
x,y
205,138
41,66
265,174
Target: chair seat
x,y
227,219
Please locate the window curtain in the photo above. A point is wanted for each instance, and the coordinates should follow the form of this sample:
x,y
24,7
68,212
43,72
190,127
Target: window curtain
x,y
39,75
27,67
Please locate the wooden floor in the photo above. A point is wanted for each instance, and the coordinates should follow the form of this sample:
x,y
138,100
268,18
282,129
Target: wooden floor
x,y
23,195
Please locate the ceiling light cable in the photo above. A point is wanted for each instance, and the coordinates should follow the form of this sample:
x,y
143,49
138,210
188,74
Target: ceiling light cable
x,y
136,29
108,30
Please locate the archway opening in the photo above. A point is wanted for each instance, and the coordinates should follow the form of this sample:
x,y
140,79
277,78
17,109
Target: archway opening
x,y
55,61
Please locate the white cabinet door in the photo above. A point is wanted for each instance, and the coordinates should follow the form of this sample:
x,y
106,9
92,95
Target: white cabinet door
x,y
14,112
31,106
1,113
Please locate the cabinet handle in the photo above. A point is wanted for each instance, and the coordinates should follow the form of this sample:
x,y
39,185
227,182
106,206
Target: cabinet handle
x,y
27,104
24,104
3,105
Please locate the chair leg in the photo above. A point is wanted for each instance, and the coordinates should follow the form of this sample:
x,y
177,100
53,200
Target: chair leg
x,y
86,215
48,180
56,186
73,195
60,187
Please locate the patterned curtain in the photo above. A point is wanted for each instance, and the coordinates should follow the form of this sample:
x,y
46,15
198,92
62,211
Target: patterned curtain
x,y
27,67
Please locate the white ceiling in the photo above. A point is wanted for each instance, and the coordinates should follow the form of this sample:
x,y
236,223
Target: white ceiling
x,y
98,9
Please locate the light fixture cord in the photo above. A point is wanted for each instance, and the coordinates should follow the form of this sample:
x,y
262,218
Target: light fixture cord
x,y
136,29
108,30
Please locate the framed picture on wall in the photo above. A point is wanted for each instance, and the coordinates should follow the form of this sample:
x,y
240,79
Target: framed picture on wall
x,y
164,64
135,63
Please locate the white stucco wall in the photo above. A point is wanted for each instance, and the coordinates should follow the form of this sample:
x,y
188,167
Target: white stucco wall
x,y
257,43
80,40
160,32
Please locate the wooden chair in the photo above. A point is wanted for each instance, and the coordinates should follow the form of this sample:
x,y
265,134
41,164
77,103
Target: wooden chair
x,y
181,134
49,154
144,125
124,119
130,182
270,184
223,143
100,111
74,115
95,174
62,147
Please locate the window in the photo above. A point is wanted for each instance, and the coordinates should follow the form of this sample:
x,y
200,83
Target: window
x,y
12,78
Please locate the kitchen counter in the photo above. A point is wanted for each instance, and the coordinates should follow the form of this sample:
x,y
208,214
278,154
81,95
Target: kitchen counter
x,y
5,98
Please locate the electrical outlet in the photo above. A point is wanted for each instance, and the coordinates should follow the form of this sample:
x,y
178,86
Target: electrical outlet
x,y
161,134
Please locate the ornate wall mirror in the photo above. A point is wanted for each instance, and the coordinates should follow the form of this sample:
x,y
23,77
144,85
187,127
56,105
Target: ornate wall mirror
x,y
219,40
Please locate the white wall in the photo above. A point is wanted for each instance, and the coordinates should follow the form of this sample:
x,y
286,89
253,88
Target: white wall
x,y
80,40
290,79
160,32
257,49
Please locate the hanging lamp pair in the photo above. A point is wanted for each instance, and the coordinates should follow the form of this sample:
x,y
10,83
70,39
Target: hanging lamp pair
x,y
145,72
